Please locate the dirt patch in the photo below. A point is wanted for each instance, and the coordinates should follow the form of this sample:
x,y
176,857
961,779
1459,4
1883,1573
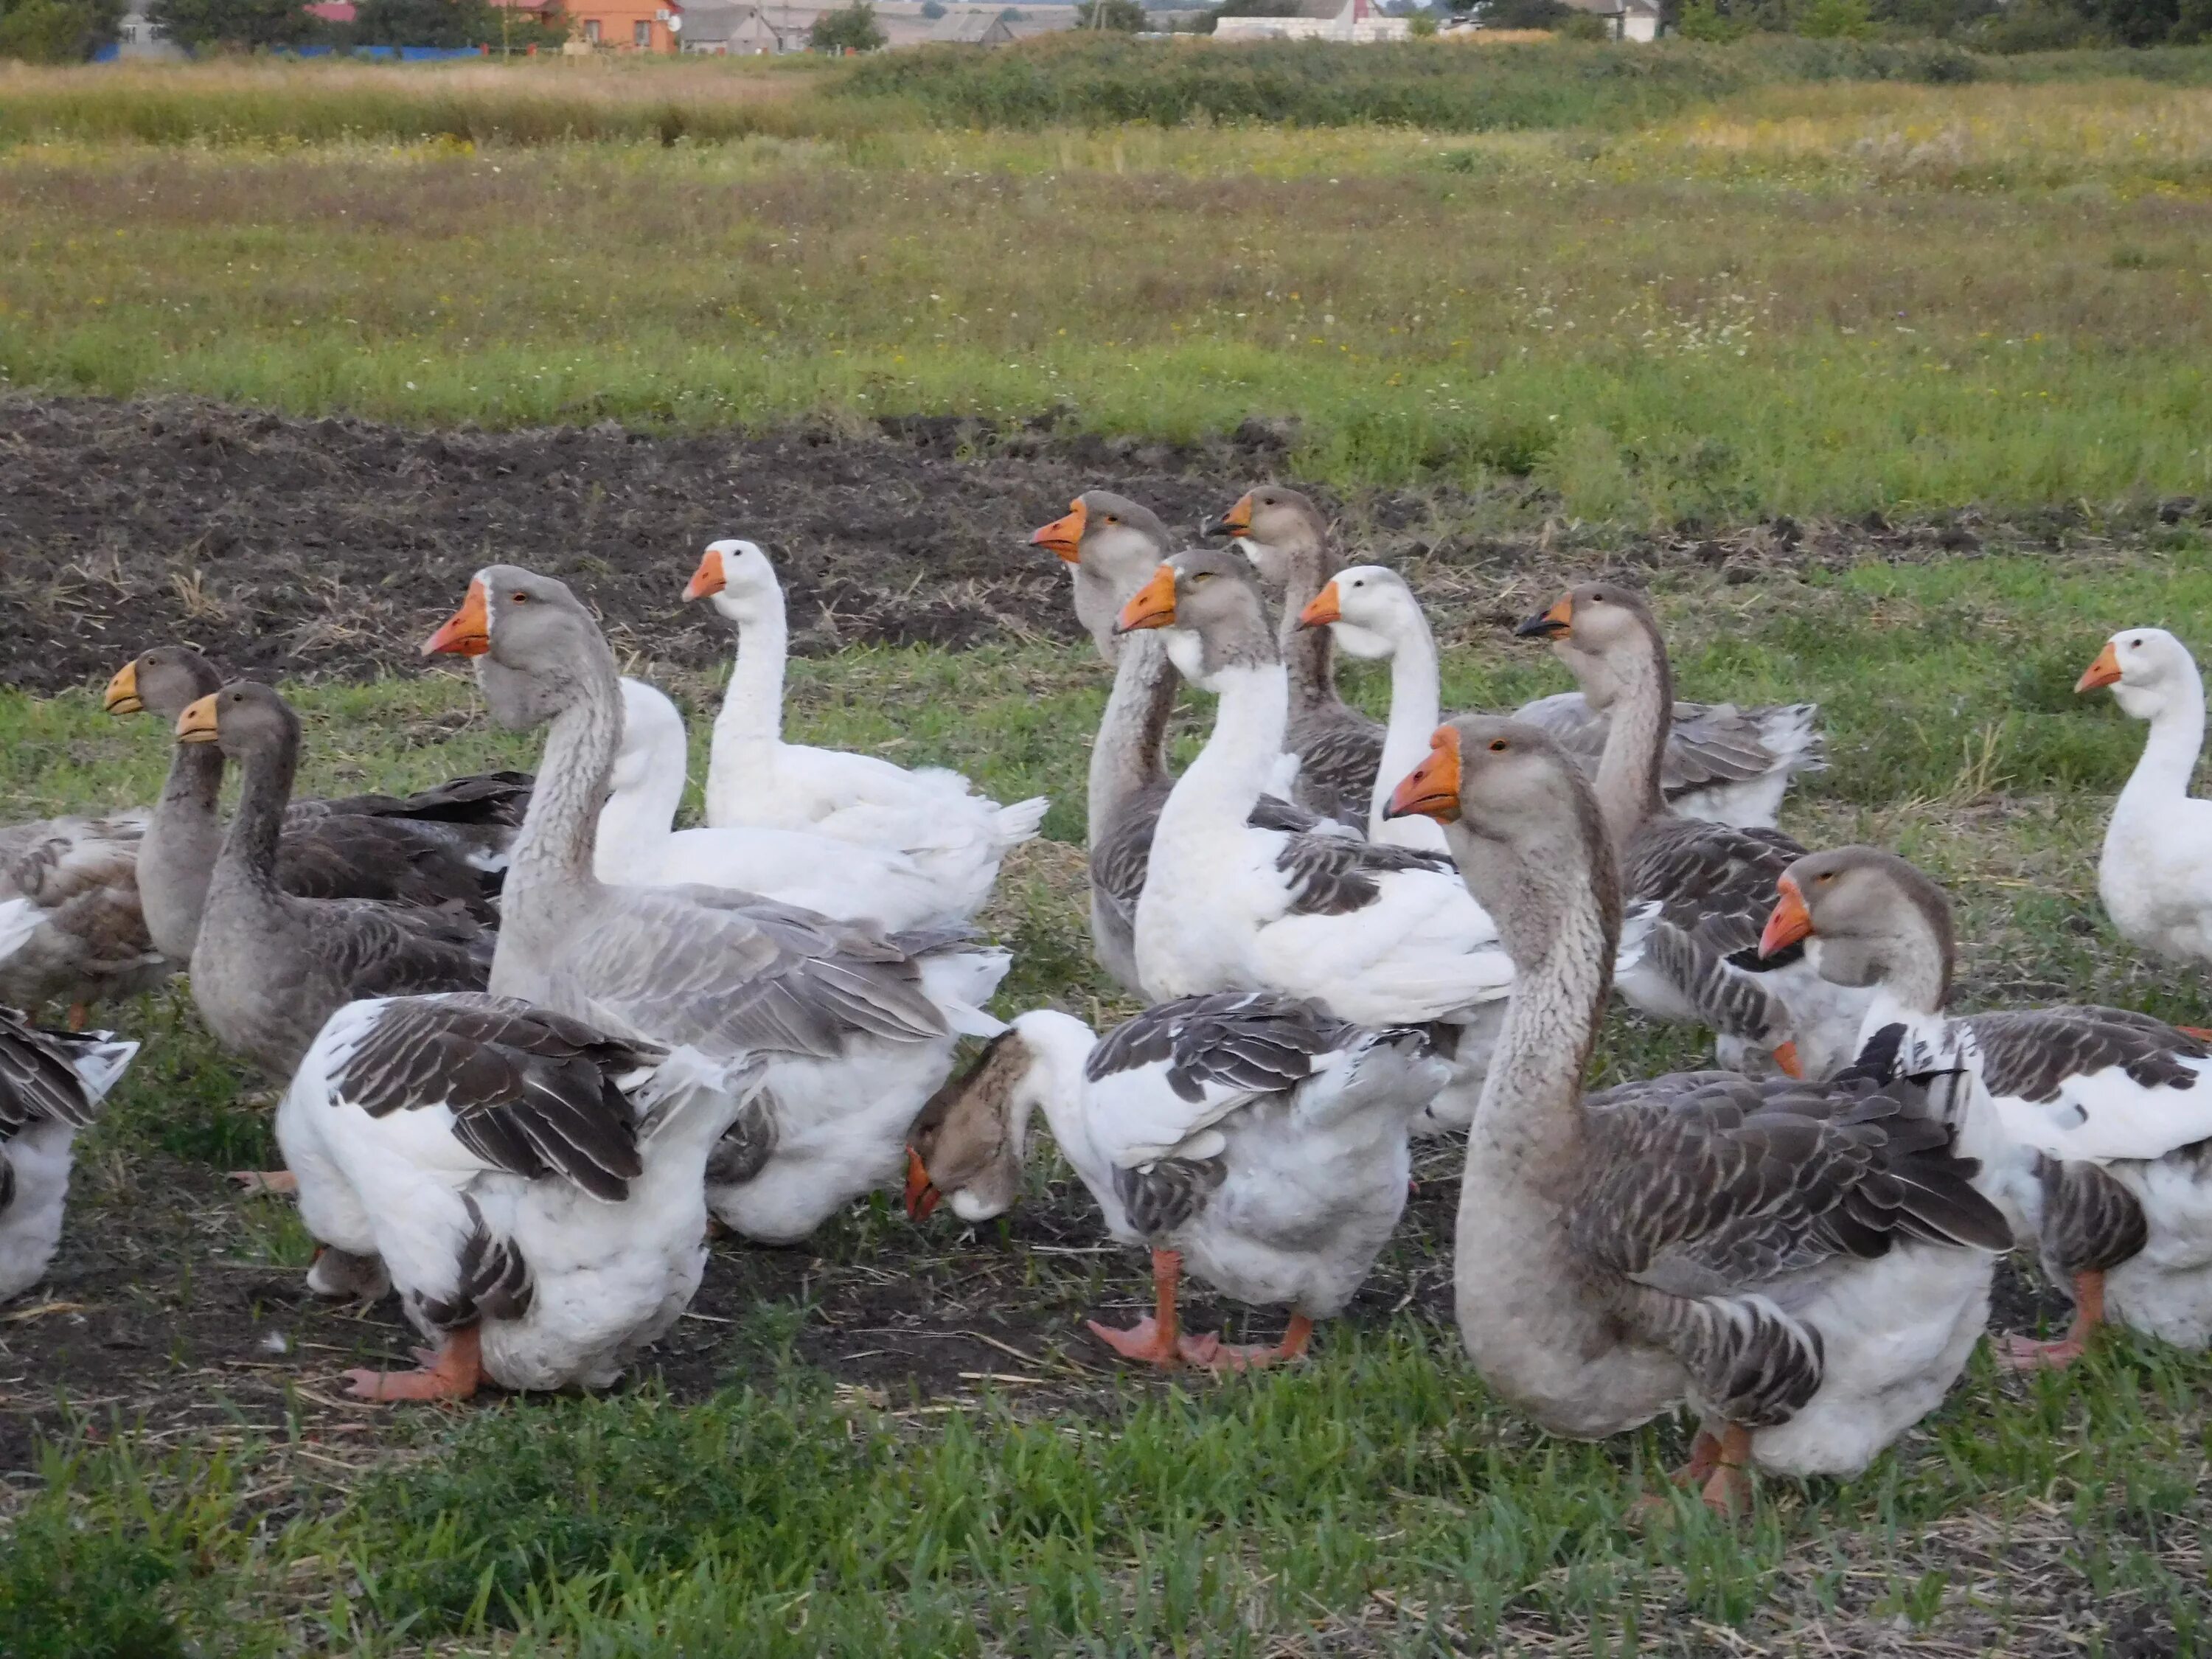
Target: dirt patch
x,y
332,547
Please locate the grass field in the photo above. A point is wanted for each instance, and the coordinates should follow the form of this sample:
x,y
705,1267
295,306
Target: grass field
x,y
1594,312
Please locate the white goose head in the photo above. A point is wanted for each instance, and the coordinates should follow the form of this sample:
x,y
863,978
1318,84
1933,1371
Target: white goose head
x,y
2148,670
736,575
1369,609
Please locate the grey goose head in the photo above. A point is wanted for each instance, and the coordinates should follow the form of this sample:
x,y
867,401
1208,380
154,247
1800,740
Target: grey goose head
x,y
1209,603
1604,632
161,682
1111,546
1274,525
966,1145
1866,917
248,721
532,641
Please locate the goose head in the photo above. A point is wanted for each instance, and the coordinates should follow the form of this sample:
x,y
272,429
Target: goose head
x,y
1274,527
161,682
966,1147
1209,603
1604,632
248,721
533,642
1110,545
1866,917
737,576
653,744
2148,670
1521,825
1368,607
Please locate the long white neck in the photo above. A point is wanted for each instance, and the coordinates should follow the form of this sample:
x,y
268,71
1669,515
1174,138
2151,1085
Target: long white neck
x,y
2170,752
1059,1047
1416,706
750,723
1627,781
1130,754
638,819
1218,791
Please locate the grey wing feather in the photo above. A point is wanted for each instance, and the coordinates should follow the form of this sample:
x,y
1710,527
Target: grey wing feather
x,y
1715,881
1258,1041
1707,744
1121,857
1338,752
38,1083
1335,875
2032,1053
378,950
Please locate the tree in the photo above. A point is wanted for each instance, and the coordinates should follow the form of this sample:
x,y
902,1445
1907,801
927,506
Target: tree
x,y
56,31
425,23
1836,20
853,29
1421,25
232,22
1703,20
932,10
1125,16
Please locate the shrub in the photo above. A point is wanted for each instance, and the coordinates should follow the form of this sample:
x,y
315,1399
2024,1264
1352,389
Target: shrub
x,y
54,31
1422,25
1125,16
932,10
1704,19
853,29
1836,20
245,23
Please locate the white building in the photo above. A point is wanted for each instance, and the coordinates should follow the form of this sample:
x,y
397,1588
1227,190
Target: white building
x,y
1317,20
135,37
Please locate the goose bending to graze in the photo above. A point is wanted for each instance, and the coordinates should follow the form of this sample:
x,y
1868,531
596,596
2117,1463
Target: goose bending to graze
x,y
1337,748
50,1082
535,1186
932,816
1709,886
1379,935
269,967
1807,1264
72,928
2105,1114
1249,1136
2156,875
857,1026
638,842
326,849
1110,545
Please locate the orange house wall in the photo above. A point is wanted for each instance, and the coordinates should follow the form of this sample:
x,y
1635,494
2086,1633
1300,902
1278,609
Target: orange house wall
x,y
617,20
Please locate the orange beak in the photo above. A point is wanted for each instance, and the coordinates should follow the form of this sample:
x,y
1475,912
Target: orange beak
x,y
197,723
1790,922
467,632
122,696
2102,672
1151,606
1237,521
1786,1058
1555,624
1064,536
1430,790
921,1196
1325,607
708,578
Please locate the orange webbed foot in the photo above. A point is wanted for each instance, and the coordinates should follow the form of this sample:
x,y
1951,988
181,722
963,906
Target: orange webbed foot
x,y
1144,1340
264,1183
2026,1354
451,1373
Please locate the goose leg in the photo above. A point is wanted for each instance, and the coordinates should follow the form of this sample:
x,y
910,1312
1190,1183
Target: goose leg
x,y
2024,1353
78,1013
1704,1458
1218,1356
452,1373
1157,1337
1727,1492
264,1183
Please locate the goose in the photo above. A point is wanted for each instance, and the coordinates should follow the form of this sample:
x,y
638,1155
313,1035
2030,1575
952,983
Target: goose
x,y
2156,874
1337,748
535,1186
72,929
1249,1136
1110,545
1807,1265
269,967
857,1027
325,851
2103,1116
50,1083
1708,885
1378,935
754,777
638,842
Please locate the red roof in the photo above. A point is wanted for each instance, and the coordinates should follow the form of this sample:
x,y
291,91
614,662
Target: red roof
x,y
332,11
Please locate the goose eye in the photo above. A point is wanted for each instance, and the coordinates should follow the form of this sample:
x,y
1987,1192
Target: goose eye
x,y
520,598
2135,645
1825,877
1112,519
1499,745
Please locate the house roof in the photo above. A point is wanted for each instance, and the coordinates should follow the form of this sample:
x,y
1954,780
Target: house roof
x,y
332,11
706,21
1326,8
970,28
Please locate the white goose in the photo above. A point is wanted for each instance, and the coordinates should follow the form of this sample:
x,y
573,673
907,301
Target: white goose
x,y
1807,1264
535,1187
638,843
2100,1117
50,1083
932,816
857,1026
2155,875
1249,1136
1377,935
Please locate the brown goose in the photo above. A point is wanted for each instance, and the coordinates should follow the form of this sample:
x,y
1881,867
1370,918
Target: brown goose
x,y
70,928
1711,885
269,967
1807,1264
442,846
2100,1118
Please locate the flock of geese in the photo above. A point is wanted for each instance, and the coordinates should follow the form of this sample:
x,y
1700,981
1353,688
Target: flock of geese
x,y
532,1037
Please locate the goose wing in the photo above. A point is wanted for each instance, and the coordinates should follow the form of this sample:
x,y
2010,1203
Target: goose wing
x,y
378,950
1713,882
1338,752
2093,1084
488,798
49,1076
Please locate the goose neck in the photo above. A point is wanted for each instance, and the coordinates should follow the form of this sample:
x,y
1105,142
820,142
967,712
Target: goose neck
x,y
1224,784
1130,754
1627,786
2172,748
1059,1047
750,723
249,850
554,847
1309,654
1416,707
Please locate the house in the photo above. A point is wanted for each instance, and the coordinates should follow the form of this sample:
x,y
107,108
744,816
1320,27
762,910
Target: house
x,y
1628,19
135,37
1319,19
333,11
732,30
973,27
615,25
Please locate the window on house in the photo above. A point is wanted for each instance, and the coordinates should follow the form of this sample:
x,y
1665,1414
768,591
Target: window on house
x,y
591,30
129,32
640,35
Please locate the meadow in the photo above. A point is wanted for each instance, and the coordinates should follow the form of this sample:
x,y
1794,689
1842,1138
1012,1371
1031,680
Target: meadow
x,y
1886,375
